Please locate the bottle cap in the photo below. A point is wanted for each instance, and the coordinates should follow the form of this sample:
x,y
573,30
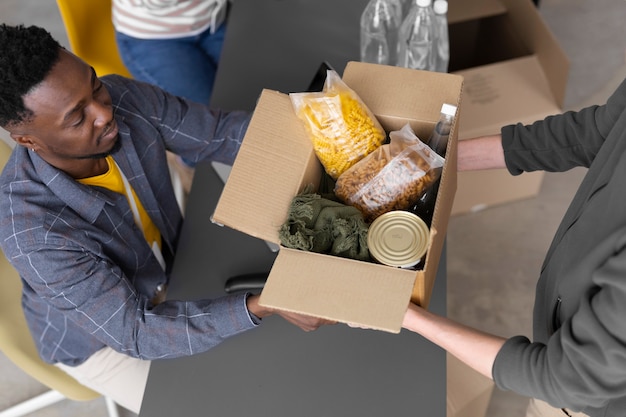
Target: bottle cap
x,y
398,238
448,109
440,6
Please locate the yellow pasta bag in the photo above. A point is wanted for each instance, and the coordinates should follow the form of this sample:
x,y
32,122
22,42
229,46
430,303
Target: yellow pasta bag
x,y
342,128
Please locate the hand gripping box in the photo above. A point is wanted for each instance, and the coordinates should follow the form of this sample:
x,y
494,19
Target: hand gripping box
x,y
277,161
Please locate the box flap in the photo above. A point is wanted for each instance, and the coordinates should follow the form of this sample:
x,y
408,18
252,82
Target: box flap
x,y
275,147
503,93
463,10
339,289
389,99
536,34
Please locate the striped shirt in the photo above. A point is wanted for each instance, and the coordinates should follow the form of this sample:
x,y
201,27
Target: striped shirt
x,y
165,19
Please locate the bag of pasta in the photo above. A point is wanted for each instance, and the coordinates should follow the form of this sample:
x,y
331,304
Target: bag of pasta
x,y
342,128
392,177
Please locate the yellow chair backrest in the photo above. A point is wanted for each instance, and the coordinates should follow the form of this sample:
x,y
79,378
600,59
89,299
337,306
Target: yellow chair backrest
x,y
91,34
5,152
15,340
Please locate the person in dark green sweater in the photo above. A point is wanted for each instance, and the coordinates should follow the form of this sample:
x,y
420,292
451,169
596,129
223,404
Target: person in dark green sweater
x,y
576,362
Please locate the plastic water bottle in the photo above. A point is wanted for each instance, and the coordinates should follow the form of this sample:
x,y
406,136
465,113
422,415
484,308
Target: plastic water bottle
x,y
416,37
406,6
442,41
380,22
424,207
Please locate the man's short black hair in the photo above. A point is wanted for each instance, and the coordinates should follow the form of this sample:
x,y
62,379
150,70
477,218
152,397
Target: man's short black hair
x,y
27,56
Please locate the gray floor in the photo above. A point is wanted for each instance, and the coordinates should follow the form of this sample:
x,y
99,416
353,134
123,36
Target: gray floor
x,y
493,255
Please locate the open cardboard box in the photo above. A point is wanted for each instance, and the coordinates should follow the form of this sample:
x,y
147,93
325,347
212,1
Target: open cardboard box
x,y
514,71
277,161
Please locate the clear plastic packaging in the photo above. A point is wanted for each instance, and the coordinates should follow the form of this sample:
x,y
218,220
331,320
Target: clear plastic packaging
x,y
391,177
442,41
342,128
380,22
416,37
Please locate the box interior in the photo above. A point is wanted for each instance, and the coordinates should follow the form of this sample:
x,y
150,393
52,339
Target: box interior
x,y
277,161
484,41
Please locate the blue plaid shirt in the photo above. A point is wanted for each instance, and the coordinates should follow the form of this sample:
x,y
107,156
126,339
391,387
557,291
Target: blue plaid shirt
x,y
87,270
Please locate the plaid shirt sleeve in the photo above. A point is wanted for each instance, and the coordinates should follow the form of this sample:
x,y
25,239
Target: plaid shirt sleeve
x,y
88,273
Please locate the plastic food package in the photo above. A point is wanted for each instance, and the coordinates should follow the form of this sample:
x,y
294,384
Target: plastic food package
x,y
392,177
342,128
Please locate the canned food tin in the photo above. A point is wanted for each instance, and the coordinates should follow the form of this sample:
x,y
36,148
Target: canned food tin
x,y
398,238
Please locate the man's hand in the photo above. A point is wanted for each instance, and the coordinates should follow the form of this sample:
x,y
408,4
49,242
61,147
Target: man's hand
x,y
306,323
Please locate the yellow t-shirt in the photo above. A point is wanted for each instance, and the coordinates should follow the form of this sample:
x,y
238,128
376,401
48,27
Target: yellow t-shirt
x,y
112,180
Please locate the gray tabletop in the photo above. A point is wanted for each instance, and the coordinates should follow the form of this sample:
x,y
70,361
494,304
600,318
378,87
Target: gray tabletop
x,y
277,369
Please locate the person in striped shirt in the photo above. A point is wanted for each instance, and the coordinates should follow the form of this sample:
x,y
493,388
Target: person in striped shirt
x,y
175,45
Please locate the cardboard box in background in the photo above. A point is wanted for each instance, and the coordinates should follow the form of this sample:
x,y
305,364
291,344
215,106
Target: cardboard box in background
x,y
514,71
277,161
469,392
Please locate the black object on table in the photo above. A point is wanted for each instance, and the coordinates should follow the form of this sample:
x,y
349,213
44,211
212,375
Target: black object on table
x,y
277,369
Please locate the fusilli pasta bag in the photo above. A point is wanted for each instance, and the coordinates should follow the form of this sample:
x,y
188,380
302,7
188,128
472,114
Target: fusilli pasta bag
x,y
342,128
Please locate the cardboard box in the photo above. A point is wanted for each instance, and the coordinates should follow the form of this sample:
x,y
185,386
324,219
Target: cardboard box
x,y
277,161
514,71
469,392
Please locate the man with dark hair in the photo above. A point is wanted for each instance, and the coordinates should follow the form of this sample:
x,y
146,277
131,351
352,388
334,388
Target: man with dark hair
x,y
90,220
23,71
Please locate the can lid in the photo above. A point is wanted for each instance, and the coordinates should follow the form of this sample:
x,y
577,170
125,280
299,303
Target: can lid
x,y
398,238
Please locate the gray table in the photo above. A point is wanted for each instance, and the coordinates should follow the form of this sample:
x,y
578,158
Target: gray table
x,y
277,369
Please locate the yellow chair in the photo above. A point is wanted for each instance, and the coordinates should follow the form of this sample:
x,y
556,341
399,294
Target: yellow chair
x,y
17,344
90,32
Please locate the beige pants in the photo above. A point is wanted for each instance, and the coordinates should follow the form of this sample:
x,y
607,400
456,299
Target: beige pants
x,y
538,408
115,375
